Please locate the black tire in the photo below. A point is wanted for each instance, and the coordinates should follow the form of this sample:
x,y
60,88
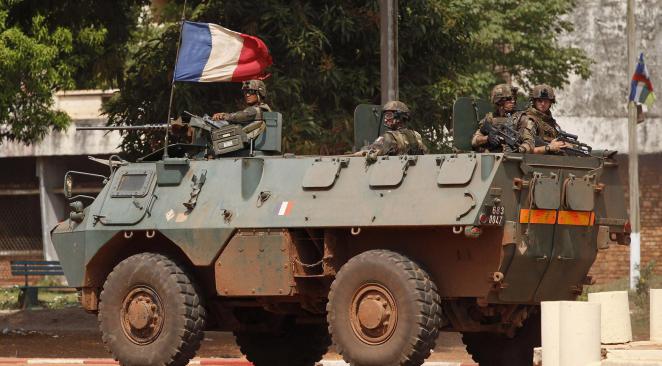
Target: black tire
x,y
292,345
170,332
404,333
490,349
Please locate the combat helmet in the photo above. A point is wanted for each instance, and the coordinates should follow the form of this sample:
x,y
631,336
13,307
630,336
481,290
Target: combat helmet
x,y
542,91
400,112
503,91
257,85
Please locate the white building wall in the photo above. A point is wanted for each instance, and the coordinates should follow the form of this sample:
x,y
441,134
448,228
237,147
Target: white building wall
x,y
596,109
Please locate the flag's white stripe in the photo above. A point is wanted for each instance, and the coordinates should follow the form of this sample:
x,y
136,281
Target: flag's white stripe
x,y
637,94
226,47
283,208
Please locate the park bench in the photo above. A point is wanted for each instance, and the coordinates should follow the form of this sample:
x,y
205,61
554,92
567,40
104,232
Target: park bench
x,y
28,295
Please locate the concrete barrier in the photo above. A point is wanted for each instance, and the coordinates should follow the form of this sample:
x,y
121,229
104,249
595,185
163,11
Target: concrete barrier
x,y
615,316
656,315
570,333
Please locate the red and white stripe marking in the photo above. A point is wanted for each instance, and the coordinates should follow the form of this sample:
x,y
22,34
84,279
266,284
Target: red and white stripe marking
x,y
285,208
197,361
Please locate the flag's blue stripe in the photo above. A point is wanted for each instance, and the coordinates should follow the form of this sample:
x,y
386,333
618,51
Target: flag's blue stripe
x,y
194,51
633,90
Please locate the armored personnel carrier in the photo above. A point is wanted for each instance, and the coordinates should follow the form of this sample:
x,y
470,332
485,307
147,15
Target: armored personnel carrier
x,y
292,253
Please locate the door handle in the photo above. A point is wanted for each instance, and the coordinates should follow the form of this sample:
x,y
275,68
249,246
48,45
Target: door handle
x,y
562,258
541,259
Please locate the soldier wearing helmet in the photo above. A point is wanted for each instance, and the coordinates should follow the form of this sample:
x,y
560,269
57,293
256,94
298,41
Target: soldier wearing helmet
x,y
504,98
255,94
537,125
398,139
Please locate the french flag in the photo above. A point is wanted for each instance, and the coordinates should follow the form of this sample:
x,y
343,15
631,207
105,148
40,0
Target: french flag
x,y
211,53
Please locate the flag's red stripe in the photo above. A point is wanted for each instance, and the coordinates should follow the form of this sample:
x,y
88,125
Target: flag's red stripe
x,y
253,59
289,208
643,79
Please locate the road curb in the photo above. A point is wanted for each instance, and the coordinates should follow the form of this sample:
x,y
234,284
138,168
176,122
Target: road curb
x,y
196,361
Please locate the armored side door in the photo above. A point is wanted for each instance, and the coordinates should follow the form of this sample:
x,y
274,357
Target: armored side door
x,y
130,196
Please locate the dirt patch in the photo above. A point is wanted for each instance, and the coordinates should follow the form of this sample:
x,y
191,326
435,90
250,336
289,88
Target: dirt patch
x,y
73,333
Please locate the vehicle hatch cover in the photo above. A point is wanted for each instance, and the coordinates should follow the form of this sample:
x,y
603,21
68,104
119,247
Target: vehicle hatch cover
x,y
547,192
323,173
457,170
389,171
580,193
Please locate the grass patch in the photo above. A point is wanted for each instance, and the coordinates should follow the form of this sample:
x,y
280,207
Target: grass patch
x,y
49,299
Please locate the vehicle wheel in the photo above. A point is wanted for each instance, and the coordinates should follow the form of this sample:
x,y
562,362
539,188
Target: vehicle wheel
x,y
150,312
383,310
292,345
490,349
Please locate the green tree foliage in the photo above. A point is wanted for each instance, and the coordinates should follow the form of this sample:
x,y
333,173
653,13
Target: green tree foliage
x,y
50,45
326,61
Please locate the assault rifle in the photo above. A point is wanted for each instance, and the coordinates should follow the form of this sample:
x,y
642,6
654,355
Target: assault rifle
x,y
577,148
508,135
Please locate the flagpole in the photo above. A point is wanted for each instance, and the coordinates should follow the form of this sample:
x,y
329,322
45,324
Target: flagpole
x,y
172,83
635,238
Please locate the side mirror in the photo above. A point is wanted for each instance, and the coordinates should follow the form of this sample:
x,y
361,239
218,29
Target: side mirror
x,y
68,185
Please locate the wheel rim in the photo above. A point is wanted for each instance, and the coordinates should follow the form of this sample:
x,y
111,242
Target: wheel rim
x,y
142,315
373,314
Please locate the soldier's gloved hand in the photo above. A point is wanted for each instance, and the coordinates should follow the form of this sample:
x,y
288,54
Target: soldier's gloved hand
x,y
556,145
371,156
494,140
484,130
219,116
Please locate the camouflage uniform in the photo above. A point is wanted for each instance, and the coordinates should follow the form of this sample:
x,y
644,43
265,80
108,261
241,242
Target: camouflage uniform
x,y
398,140
536,126
252,116
495,119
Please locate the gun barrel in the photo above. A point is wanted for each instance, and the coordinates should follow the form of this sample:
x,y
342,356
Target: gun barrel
x,y
126,128
568,135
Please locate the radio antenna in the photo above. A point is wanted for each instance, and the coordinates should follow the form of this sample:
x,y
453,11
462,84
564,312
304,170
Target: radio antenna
x,y
172,84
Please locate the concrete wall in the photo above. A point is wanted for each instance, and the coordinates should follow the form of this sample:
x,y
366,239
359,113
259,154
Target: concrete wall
x,y
596,109
84,107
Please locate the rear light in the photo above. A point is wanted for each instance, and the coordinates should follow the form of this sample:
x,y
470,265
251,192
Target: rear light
x,y
627,227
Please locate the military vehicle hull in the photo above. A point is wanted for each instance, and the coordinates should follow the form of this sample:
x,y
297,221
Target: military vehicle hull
x,y
480,239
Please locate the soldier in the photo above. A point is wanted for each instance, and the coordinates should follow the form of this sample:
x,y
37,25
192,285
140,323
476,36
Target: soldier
x,y
398,139
504,97
255,93
538,125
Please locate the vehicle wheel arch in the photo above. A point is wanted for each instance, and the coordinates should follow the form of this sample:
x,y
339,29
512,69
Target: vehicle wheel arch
x,y
119,248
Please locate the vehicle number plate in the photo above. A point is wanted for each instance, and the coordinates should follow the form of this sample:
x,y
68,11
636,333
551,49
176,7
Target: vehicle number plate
x,y
493,215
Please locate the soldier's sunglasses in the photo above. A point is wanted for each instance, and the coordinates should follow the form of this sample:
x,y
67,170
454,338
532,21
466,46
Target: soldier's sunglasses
x,y
392,114
249,91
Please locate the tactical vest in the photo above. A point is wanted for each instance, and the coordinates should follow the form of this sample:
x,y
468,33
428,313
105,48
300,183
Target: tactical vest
x,y
256,128
407,141
511,121
546,127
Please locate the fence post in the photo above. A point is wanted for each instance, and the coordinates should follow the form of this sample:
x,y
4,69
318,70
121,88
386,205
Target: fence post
x,y
656,314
